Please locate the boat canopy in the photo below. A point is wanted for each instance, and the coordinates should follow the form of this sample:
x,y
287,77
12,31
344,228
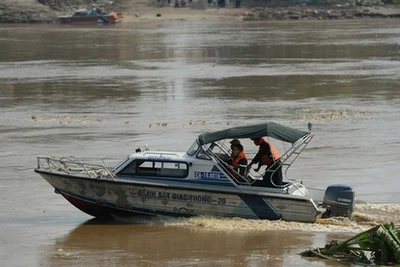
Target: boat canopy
x,y
270,129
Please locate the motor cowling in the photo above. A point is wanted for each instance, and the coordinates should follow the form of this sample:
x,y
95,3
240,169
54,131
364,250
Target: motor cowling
x,y
338,201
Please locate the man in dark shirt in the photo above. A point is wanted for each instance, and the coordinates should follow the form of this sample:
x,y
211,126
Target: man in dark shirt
x,y
267,155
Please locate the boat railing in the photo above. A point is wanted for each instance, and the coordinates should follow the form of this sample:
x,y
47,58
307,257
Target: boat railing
x,y
64,14
74,166
286,160
294,151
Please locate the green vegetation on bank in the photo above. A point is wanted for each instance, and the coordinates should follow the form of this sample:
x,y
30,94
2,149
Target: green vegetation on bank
x,y
379,245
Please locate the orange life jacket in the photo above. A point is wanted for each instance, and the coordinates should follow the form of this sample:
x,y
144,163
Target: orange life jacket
x,y
235,162
266,159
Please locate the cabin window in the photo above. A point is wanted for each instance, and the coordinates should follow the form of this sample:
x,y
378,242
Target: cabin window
x,y
156,168
80,13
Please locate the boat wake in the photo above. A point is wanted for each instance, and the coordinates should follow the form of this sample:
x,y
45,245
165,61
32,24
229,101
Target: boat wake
x,y
374,213
364,216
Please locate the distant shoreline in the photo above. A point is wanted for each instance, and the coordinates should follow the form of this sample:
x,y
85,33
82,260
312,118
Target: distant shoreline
x,y
23,12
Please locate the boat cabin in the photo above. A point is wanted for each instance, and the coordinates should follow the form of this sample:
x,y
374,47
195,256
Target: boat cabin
x,y
202,163
154,165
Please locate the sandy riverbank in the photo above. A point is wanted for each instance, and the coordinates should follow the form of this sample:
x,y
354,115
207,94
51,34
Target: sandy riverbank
x,y
254,10
30,11
142,10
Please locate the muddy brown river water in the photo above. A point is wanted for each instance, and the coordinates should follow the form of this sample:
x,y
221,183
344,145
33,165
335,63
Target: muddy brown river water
x,y
103,91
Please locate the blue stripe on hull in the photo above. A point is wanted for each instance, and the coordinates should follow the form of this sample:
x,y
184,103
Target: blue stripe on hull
x,y
260,207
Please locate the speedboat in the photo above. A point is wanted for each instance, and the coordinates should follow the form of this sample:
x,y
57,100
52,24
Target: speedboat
x,y
197,182
96,12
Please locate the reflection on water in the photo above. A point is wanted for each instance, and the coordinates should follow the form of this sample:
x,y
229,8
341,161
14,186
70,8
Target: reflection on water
x,y
205,241
149,244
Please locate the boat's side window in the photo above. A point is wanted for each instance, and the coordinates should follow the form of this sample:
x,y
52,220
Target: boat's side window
x,y
202,155
174,169
156,168
80,13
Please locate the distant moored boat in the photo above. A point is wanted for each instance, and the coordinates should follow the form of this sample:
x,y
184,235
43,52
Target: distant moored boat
x,y
99,12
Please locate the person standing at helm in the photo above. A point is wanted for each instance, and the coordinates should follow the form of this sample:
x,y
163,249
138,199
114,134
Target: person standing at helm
x,y
238,161
267,155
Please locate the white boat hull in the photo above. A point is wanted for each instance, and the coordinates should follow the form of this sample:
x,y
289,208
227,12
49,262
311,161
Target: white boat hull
x,y
99,198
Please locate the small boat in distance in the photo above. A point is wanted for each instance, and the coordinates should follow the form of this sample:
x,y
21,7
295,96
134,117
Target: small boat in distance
x,y
98,12
197,182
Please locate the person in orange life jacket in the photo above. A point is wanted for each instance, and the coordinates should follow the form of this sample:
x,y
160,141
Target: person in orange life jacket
x,y
267,155
229,157
238,161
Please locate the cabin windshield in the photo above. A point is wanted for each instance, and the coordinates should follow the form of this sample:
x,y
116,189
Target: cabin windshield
x,y
122,162
193,149
97,9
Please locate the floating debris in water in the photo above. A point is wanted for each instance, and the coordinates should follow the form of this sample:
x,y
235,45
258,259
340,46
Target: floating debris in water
x,y
317,114
62,119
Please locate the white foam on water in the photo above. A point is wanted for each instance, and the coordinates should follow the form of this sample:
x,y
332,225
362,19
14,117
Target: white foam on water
x,y
364,216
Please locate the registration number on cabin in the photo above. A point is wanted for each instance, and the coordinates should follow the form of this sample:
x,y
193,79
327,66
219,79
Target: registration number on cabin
x,y
207,175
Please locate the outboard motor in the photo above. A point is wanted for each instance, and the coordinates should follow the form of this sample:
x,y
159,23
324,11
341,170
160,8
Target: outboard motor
x,y
338,201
